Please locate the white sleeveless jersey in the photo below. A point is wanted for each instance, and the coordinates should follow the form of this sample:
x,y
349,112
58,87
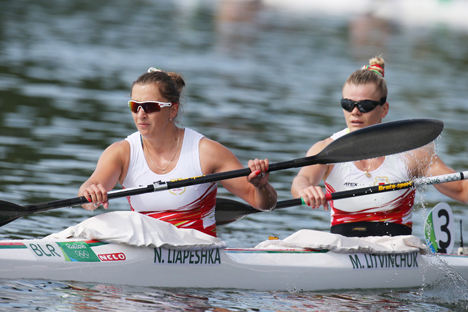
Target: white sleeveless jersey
x,y
182,207
394,206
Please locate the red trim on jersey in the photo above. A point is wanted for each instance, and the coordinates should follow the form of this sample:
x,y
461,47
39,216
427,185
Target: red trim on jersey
x,y
192,215
403,206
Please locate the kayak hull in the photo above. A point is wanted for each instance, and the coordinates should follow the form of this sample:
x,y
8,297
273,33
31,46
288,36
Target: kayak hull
x,y
250,268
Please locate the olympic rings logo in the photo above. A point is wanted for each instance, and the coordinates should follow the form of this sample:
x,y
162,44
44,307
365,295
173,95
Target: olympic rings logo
x,y
82,254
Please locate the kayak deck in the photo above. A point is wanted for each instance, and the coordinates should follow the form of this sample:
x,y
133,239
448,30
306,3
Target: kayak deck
x,y
249,268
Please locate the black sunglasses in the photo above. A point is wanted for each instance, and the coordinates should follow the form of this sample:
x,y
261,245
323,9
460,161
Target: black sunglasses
x,y
363,106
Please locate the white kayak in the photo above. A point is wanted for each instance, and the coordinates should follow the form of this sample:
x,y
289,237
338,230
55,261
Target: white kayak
x,y
250,268
144,251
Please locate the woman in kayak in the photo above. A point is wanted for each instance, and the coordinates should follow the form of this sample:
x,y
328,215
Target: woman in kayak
x,y
364,104
162,150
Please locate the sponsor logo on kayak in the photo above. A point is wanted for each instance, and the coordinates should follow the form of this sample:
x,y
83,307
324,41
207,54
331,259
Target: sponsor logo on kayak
x,y
119,256
379,261
187,257
78,252
74,246
63,251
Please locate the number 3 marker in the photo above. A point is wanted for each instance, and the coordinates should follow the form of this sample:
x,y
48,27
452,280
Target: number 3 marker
x,y
439,229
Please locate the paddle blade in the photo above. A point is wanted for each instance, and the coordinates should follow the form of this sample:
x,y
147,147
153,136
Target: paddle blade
x,y
228,211
10,212
381,140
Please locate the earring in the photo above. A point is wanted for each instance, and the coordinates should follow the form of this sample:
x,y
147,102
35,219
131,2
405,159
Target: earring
x,y
170,119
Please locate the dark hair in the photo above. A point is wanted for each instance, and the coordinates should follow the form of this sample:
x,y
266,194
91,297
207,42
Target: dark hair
x,y
372,73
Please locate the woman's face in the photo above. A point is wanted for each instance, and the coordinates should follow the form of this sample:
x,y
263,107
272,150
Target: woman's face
x,y
151,123
357,120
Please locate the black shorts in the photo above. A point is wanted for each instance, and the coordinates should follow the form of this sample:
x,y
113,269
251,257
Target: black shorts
x,y
364,229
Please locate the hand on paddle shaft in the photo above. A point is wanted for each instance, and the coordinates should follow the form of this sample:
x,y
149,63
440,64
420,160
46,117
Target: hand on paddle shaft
x,y
228,211
370,142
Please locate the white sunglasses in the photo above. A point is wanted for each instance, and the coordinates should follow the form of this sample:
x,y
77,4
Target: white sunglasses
x,y
148,106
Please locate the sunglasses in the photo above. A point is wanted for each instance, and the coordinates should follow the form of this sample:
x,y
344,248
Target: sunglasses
x,y
147,107
363,106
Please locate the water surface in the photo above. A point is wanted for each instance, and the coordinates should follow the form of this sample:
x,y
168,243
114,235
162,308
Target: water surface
x,y
262,80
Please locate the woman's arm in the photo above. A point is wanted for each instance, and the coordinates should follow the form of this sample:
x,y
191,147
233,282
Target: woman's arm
x,y
305,184
111,168
457,190
254,189
425,162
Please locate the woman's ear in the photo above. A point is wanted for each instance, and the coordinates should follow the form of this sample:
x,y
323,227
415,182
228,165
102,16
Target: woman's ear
x,y
174,110
385,109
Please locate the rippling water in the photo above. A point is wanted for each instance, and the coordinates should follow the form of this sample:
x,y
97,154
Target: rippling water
x,y
262,80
